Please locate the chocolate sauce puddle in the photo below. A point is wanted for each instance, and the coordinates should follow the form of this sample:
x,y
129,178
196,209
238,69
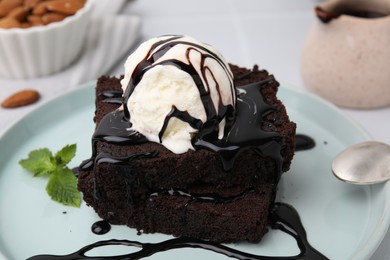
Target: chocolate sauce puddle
x,y
282,216
303,142
101,227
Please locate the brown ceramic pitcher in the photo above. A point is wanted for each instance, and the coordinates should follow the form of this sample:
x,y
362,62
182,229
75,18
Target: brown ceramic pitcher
x,y
346,56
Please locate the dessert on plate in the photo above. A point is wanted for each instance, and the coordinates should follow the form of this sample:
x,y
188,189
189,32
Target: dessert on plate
x,y
187,144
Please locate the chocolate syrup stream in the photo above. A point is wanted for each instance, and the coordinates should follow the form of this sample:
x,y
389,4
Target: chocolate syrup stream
x,y
158,50
243,131
184,116
282,216
246,131
302,141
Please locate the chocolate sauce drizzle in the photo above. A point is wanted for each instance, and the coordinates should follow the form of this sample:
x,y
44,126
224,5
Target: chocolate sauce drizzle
x,y
243,123
282,216
245,133
243,130
159,49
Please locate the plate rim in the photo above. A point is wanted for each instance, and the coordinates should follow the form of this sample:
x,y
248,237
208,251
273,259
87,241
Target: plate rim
x,y
377,234
373,242
46,102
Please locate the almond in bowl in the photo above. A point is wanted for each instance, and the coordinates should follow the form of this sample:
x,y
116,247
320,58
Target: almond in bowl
x,y
41,37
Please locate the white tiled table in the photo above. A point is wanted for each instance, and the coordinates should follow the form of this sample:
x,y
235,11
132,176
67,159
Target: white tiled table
x,y
247,32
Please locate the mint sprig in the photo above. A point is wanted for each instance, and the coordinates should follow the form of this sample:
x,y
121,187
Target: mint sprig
x,y
62,184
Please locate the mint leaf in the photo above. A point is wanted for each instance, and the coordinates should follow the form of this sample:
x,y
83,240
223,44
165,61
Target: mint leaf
x,y
65,155
40,162
62,187
62,184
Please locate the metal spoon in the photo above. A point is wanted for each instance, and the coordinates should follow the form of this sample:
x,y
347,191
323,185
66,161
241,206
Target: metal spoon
x,y
364,163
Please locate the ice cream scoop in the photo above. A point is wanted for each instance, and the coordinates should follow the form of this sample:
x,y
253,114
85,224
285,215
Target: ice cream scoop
x,y
173,87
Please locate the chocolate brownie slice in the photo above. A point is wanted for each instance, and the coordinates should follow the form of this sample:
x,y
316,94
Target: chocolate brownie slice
x,y
147,187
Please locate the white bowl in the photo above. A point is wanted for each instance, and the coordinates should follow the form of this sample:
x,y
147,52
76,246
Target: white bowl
x,y
43,50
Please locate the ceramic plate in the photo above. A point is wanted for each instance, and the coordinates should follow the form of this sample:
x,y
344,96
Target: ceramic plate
x,y
342,221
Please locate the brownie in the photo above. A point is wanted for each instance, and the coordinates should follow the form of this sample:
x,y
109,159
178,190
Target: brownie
x,y
147,187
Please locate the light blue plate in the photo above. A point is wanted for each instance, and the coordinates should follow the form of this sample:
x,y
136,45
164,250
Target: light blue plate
x,y
342,221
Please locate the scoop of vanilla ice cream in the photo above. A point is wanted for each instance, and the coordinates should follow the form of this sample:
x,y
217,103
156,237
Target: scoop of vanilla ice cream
x,y
152,100
175,73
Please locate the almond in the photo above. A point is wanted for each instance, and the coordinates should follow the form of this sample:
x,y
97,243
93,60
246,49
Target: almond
x,y
21,98
19,13
26,12
35,20
40,8
68,7
31,3
52,17
7,5
8,23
